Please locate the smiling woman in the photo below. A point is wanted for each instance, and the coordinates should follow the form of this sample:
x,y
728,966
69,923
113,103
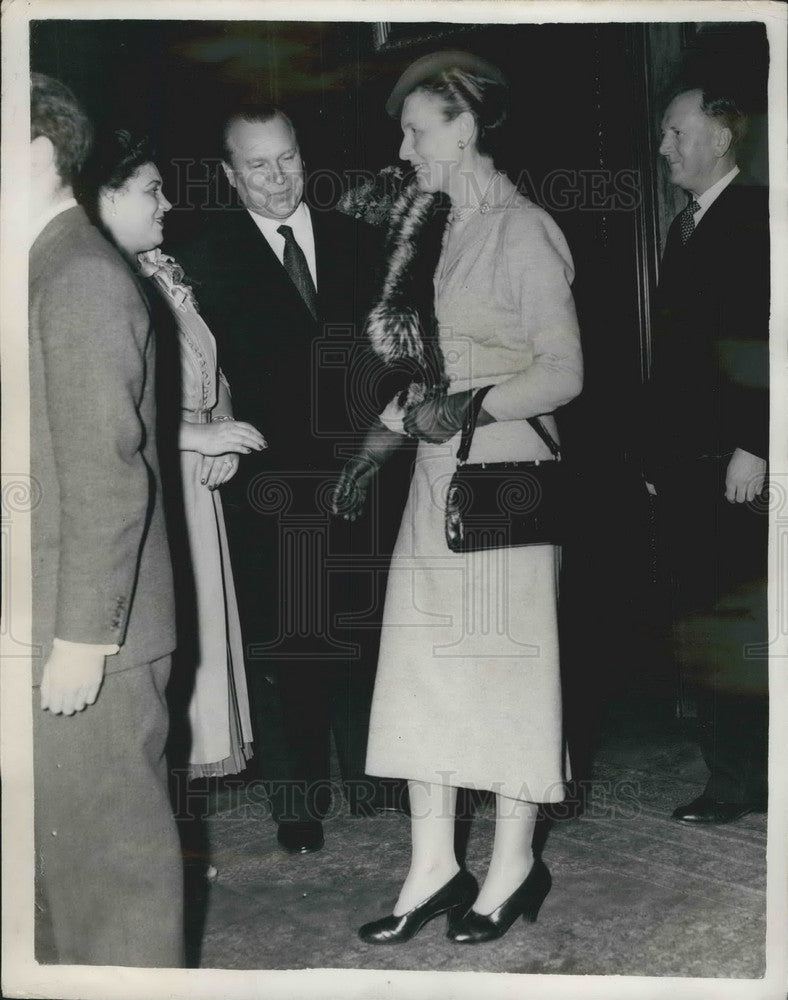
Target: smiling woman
x,y
126,198
123,191
138,210
474,700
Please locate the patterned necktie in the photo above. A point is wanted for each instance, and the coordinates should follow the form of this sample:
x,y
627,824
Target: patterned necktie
x,y
687,220
298,269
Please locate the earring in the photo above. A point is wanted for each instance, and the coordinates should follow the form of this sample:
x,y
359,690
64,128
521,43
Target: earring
x,y
461,143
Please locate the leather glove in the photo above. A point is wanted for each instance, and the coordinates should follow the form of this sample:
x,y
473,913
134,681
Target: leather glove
x,y
350,493
438,419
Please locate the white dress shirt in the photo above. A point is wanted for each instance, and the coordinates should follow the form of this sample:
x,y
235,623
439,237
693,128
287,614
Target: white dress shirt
x,y
707,199
301,224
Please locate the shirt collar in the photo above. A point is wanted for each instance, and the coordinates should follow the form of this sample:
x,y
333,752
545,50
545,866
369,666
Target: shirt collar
x,y
706,199
43,220
298,221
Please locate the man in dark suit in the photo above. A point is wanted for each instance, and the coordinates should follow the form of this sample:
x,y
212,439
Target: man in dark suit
x,y
107,846
284,288
707,444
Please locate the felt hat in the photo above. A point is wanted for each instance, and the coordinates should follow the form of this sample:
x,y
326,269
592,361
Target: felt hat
x,y
436,62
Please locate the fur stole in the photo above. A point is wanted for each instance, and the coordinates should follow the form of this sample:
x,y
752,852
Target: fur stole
x,y
401,326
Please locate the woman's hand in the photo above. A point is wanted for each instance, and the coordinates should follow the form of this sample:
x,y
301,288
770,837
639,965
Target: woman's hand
x,y
350,493
221,437
218,469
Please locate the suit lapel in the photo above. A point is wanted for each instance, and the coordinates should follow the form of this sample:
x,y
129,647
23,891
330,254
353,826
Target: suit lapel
x,y
727,205
262,259
241,246
329,256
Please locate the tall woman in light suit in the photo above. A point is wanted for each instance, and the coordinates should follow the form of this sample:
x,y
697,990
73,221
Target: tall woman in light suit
x,y
468,690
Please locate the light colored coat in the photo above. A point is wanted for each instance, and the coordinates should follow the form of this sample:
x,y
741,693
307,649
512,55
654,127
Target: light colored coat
x,y
504,305
468,685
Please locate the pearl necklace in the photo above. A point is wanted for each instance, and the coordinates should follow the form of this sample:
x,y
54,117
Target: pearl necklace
x,y
461,214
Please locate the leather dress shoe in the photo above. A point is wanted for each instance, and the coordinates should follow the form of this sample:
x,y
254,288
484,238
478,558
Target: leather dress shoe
x,y
301,838
473,927
456,895
705,809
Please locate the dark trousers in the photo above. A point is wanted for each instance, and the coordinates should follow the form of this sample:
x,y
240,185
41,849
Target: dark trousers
x,y
715,553
293,720
107,849
310,590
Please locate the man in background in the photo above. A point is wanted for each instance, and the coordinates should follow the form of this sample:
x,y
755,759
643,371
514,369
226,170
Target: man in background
x,y
107,849
707,444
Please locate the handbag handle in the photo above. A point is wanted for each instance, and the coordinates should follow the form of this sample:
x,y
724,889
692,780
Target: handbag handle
x,y
469,426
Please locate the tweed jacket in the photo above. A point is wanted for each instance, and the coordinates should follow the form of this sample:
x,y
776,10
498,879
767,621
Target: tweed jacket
x,y
101,562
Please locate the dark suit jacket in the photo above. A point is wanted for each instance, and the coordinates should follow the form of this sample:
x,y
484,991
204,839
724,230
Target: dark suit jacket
x,y
709,388
301,382
101,563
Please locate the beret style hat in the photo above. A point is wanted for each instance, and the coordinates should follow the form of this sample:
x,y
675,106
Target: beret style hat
x,y
436,62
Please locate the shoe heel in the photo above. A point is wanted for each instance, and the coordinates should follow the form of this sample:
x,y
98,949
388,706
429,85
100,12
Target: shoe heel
x,y
455,914
531,911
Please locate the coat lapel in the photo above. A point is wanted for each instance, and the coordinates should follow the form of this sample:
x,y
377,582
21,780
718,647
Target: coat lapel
x,y
243,249
476,230
329,256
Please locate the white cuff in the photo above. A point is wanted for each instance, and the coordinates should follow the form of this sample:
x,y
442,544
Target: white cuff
x,y
85,647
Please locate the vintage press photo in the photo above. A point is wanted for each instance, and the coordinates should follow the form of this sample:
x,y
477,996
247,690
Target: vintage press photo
x,y
280,715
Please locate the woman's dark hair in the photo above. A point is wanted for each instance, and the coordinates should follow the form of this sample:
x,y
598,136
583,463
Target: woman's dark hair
x,y
117,155
465,90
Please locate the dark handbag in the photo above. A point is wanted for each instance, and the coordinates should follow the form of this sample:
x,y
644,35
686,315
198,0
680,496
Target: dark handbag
x,y
495,505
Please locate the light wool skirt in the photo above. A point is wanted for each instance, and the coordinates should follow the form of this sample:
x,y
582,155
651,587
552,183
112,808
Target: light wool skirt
x,y
468,688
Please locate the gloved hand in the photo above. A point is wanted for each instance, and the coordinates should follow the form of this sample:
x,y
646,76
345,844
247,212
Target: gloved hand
x,y
440,418
350,493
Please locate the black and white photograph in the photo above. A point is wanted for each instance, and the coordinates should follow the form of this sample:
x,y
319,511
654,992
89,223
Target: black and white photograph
x,y
394,499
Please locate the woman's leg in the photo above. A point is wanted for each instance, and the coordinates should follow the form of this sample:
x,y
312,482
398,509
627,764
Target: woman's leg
x,y
512,856
433,861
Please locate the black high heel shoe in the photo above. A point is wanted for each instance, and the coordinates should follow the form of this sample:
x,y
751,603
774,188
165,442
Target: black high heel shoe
x,y
456,895
473,927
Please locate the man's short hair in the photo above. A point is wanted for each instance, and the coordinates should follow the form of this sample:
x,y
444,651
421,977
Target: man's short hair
x,y
716,102
56,114
726,110
249,113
